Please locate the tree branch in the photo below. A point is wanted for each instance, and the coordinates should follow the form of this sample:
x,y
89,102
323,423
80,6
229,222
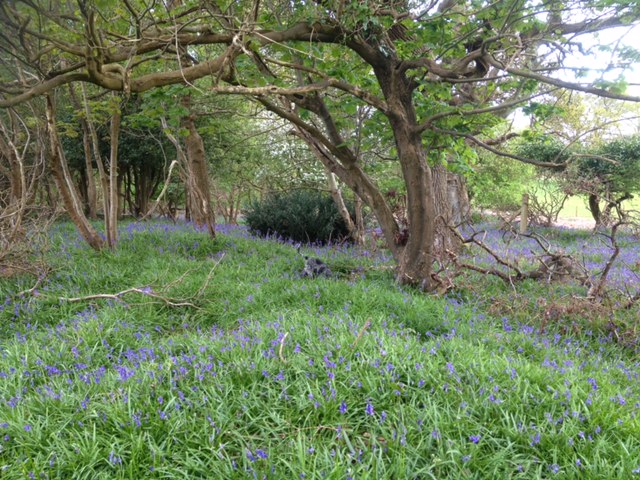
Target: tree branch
x,y
487,146
561,83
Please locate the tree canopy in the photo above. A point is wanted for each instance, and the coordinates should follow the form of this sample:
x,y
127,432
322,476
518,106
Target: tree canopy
x,y
437,77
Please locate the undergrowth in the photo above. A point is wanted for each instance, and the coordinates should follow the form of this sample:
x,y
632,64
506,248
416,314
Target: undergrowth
x,y
264,374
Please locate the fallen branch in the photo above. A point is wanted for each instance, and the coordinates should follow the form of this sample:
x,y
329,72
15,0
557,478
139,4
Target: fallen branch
x,y
284,337
553,264
147,291
367,324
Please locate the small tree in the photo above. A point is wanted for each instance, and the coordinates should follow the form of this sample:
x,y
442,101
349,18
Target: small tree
x,y
610,177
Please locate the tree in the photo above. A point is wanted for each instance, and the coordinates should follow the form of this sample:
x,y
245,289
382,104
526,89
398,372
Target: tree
x,y
607,173
437,76
611,176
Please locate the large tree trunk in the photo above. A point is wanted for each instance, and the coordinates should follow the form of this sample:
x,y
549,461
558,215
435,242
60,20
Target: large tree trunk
x,y
452,210
64,182
416,262
201,210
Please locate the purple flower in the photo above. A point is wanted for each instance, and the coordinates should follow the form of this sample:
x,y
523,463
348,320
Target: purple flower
x,y
343,407
535,440
261,454
475,438
369,409
27,428
114,459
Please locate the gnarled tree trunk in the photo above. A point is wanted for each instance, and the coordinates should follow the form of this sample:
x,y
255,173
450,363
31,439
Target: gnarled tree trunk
x,y
198,190
452,209
416,262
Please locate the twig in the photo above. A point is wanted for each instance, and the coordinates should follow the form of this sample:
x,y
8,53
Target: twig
x,y
631,302
367,324
282,340
31,290
205,284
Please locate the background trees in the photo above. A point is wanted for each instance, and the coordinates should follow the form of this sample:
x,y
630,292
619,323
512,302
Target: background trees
x,y
435,80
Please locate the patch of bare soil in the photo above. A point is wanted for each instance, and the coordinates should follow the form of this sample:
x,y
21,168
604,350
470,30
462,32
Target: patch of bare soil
x,y
576,222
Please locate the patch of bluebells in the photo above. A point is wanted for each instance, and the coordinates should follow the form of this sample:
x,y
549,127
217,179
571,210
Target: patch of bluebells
x,y
593,250
168,377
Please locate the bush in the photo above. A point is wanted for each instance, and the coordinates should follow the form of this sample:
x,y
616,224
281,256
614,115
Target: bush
x,y
301,215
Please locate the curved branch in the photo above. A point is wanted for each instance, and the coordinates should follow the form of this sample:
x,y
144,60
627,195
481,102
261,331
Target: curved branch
x,y
561,83
486,146
425,125
43,88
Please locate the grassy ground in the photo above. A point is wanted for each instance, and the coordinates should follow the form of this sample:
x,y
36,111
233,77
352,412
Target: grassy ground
x,y
576,207
226,364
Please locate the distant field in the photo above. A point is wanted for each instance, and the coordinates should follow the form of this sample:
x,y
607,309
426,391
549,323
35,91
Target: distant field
x,y
577,207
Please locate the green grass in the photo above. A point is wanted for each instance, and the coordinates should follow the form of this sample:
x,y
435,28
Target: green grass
x,y
576,207
268,375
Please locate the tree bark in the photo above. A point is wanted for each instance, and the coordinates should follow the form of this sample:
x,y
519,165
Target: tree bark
x,y
594,208
198,189
114,181
451,205
341,161
355,234
102,172
416,262
64,182
524,214
90,182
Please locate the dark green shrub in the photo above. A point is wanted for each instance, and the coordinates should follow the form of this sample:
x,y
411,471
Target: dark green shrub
x,y
302,216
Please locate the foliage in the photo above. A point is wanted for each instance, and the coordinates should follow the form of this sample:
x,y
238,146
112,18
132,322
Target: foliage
x,y
280,376
435,79
543,148
617,165
609,172
498,183
301,215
